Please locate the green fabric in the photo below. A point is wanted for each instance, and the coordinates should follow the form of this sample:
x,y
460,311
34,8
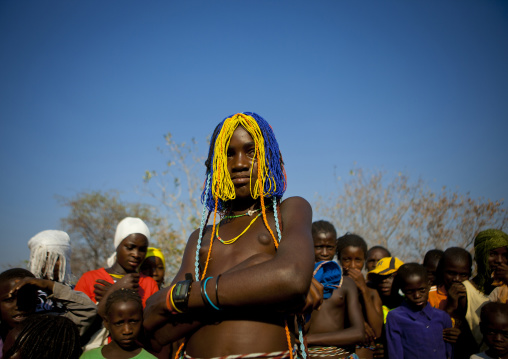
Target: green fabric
x,y
97,354
484,242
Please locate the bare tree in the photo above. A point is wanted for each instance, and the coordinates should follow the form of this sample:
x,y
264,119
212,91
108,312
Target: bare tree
x,y
177,189
406,216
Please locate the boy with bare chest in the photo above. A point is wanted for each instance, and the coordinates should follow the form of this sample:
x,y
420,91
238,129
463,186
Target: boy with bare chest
x,y
334,329
244,276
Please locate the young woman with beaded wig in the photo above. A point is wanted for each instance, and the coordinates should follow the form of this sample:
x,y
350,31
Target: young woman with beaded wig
x,y
244,274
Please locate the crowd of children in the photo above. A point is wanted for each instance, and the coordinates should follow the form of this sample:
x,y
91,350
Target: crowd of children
x,y
254,294
429,310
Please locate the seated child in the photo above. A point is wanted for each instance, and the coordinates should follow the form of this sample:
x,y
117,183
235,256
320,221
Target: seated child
x,y
123,319
457,296
494,327
14,310
44,336
415,329
374,255
430,262
351,250
154,265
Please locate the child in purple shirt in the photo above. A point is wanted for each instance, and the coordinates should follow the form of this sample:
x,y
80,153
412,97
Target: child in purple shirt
x,y
415,329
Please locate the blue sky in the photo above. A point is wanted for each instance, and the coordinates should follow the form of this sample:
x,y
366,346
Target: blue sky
x,y
87,90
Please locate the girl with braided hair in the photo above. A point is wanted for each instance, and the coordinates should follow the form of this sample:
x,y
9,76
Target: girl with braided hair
x,y
123,318
245,274
44,336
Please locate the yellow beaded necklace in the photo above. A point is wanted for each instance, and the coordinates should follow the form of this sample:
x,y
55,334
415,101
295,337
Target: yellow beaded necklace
x,y
231,241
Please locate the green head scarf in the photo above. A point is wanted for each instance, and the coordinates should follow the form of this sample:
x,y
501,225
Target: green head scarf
x,y
484,242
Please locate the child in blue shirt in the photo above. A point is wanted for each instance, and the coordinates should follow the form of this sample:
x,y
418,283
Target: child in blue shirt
x,y
415,329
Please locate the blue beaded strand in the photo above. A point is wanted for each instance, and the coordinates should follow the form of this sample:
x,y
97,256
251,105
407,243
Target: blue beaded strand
x,y
276,215
202,227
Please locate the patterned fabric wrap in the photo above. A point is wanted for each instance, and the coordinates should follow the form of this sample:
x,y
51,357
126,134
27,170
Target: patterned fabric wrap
x,y
330,351
272,355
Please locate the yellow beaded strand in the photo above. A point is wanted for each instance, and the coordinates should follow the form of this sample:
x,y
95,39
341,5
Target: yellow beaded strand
x,y
225,189
231,241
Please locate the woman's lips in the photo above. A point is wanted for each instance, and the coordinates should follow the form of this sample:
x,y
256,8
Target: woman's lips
x,y
241,180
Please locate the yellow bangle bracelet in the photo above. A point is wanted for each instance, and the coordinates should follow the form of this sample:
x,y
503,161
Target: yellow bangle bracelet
x,y
171,298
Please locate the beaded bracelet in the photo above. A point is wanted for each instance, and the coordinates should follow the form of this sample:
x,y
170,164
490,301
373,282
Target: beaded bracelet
x,y
168,303
170,296
172,301
204,295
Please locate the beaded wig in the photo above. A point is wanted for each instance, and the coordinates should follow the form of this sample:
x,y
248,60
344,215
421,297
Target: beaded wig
x,y
271,179
219,188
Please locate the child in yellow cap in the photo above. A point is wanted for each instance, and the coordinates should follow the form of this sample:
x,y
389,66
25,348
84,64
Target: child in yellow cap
x,y
154,265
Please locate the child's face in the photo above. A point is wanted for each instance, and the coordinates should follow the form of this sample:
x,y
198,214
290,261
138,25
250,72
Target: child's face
x,y
153,267
431,267
495,334
124,322
383,283
416,290
325,245
131,252
352,258
11,314
455,271
373,257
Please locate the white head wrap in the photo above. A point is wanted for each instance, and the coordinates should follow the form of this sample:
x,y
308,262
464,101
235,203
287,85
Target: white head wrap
x,y
125,228
46,248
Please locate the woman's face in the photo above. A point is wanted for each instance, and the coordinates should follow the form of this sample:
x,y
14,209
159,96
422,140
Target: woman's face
x,y
241,161
131,252
498,260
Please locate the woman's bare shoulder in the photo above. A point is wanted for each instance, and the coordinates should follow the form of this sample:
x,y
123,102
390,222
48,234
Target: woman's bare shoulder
x,y
296,205
295,201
